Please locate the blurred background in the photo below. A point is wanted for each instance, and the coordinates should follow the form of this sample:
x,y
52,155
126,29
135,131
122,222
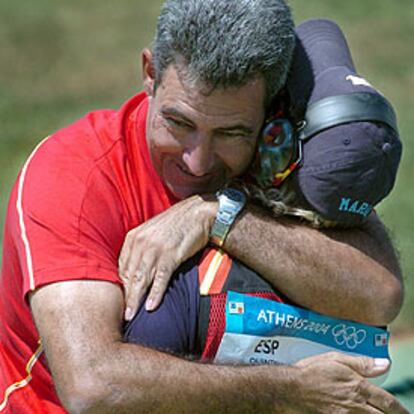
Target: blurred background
x,y
60,59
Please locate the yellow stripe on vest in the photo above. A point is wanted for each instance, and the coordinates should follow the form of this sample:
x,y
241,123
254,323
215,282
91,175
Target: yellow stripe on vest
x,y
211,272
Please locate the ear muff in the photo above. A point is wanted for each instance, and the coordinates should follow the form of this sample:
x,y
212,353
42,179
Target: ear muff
x,y
280,144
277,150
342,109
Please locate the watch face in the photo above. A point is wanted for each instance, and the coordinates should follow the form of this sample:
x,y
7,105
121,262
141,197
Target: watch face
x,y
231,202
235,195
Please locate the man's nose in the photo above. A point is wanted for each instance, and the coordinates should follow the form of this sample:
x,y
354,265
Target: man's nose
x,y
199,155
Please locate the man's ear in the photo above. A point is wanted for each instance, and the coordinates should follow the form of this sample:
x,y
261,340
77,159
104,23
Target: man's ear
x,y
148,72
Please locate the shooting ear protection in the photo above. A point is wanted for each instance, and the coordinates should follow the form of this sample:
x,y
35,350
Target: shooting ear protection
x,y
278,153
280,142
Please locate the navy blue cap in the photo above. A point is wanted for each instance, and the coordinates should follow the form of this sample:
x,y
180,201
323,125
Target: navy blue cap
x,y
350,167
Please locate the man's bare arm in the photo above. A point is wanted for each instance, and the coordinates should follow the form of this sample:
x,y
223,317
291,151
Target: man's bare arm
x,y
94,372
351,274
346,273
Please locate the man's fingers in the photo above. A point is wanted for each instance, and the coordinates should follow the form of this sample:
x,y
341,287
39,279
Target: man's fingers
x,y
370,409
365,366
137,260
371,367
123,260
125,254
382,400
158,288
136,288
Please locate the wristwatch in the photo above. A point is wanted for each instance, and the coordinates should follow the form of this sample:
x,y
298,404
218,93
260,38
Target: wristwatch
x,y
231,202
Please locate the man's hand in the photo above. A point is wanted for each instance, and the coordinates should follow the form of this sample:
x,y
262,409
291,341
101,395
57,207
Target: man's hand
x,y
338,383
350,274
94,371
154,250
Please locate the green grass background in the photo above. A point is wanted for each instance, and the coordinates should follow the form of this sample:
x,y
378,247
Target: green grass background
x,y
60,59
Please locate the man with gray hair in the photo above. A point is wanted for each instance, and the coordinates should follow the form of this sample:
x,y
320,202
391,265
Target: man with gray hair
x,y
139,172
214,44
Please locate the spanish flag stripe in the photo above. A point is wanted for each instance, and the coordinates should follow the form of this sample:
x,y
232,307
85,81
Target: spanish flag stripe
x,y
221,275
205,263
211,272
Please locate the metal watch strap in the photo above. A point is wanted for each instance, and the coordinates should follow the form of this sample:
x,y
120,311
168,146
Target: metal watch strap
x,y
231,202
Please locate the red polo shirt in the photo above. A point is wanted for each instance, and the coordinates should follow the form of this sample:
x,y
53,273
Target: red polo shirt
x,y
78,194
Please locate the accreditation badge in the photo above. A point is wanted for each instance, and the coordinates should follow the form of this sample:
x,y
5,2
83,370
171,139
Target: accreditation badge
x,y
263,331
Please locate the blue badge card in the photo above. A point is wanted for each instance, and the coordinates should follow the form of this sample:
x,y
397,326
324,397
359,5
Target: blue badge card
x,y
263,331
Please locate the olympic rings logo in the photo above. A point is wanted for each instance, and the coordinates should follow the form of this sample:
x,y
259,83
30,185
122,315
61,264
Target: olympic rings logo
x,y
349,336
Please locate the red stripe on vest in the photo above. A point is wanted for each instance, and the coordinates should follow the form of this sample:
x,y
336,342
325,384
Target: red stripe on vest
x,y
214,268
205,263
221,275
